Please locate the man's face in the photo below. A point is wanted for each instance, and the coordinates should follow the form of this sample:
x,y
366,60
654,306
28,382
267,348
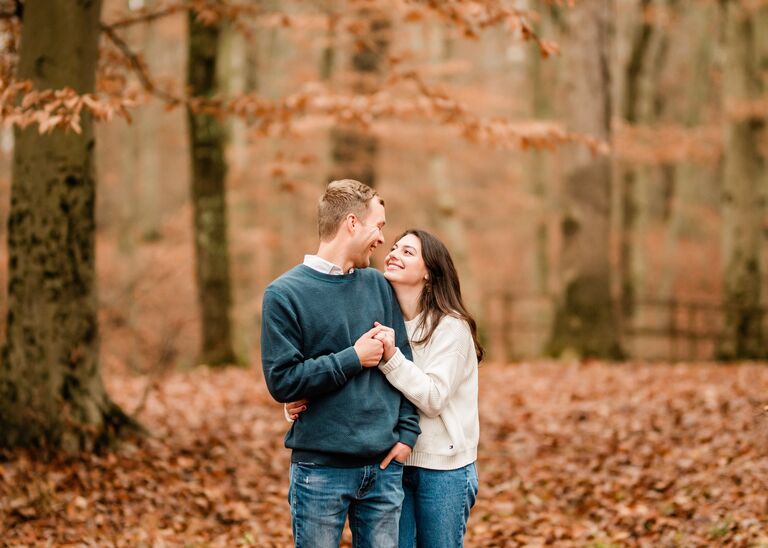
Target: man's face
x,y
368,234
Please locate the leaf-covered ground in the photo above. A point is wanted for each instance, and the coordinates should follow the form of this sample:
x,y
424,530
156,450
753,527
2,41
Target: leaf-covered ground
x,y
571,455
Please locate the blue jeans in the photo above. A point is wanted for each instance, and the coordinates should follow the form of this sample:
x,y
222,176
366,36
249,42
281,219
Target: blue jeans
x,y
322,496
436,506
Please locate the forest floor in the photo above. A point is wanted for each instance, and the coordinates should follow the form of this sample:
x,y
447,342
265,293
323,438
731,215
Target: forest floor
x,y
574,454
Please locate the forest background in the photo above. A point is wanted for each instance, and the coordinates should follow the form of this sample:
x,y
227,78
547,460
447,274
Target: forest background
x,y
597,169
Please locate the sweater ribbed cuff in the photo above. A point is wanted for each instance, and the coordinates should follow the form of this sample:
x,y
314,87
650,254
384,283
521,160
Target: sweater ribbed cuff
x,y
408,438
349,362
393,363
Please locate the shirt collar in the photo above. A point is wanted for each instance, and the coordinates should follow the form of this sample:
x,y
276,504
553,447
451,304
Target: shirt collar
x,y
316,262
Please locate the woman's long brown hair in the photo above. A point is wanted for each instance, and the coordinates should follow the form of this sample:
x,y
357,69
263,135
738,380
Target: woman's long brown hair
x,y
441,295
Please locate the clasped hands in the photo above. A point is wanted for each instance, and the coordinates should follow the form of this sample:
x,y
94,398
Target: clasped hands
x,y
371,347
375,344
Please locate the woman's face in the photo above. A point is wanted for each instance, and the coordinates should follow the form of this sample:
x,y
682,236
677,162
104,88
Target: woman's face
x,y
404,265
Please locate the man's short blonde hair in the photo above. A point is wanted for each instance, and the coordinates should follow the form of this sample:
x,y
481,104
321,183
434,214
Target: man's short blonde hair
x,y
339,200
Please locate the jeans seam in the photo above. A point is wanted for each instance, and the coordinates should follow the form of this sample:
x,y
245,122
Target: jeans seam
x,y
462,523
295,511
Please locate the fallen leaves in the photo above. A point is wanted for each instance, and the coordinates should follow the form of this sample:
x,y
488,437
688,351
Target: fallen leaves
x,y
214,472
571,455
652,455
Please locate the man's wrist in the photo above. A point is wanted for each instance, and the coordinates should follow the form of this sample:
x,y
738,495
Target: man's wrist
x,y
350,361
407,438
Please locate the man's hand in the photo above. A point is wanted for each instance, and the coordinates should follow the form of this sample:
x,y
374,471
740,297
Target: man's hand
x,y
387,338
369,350
399,452
295,408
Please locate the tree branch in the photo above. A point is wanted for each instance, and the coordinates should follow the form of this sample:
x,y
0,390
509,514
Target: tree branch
x,y
488,13
147,17
208,11
138,67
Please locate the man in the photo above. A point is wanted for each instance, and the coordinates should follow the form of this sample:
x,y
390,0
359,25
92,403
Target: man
x,y
318,344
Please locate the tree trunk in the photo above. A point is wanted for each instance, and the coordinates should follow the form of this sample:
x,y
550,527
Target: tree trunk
x,y
150,171
631,196
353,152
644,103
238,66
448,220
131,147
206,139
451,224
51,392
585,322
689,176
328,55
542,175
126,223
147,125
744,192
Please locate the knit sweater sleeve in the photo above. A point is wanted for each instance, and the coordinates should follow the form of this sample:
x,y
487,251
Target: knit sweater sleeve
x,y
430,387
289,375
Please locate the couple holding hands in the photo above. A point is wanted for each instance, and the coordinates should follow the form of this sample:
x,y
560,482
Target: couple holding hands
x,y
379,376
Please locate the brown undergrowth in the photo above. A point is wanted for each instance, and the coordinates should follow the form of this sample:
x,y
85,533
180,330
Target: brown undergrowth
x,y
591,455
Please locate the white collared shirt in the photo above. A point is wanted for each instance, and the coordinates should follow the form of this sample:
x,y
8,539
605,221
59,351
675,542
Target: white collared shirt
x,y
316,262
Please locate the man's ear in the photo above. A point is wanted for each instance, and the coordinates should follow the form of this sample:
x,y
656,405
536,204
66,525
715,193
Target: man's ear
x,y
350,221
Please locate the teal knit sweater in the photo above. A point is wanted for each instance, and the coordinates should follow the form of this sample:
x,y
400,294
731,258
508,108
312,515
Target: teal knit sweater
x,y
310,322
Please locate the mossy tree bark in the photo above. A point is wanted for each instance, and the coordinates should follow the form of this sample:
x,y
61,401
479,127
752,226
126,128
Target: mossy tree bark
x,y
354,152
51,391
744,185
585,322
207,135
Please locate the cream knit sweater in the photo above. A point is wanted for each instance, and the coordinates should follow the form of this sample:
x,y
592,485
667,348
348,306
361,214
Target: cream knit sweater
x,y
441,382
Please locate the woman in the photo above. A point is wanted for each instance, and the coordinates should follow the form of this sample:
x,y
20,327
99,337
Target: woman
x,y
440,478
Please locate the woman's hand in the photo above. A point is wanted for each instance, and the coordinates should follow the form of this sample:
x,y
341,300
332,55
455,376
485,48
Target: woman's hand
x,y
295,408
387,336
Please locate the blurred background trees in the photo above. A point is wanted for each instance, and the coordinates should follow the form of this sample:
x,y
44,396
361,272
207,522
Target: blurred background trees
x,y
49,376
745,186
209,198
585,317
242,112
